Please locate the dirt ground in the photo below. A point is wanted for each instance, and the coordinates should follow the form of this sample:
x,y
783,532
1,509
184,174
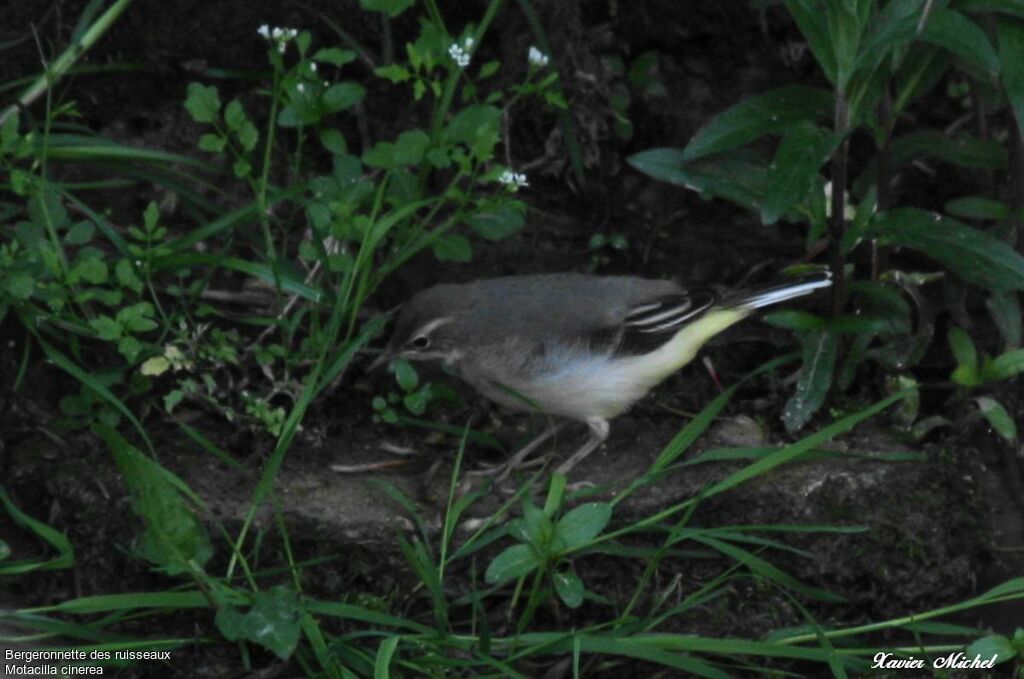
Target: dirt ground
x,y
941,521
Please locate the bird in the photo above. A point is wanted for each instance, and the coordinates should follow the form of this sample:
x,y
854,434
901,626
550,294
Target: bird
x,y
582,347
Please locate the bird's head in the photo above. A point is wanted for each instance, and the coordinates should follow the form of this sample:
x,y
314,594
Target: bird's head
x,y
428,328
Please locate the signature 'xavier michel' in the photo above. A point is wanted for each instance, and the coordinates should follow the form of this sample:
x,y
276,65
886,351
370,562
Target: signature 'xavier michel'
x,y
579,346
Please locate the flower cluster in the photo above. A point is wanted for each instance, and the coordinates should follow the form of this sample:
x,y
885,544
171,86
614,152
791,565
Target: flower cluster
x,y
537,58
278,35
460,53
513,180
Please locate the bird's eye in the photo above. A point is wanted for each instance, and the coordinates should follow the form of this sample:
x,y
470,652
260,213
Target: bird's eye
x,y
421,342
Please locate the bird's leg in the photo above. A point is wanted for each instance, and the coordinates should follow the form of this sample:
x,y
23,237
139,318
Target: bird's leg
x,y
599,429
525,451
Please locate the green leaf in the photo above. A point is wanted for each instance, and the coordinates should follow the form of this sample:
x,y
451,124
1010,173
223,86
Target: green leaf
x,y
977,207
994,645
1003,367
417,402
536,528
997,416
811,20
150,216
392,7
406,375
385,653
334,56
410,147
106,328
9,133
819,360
19,285
793,319
272,622
453,248
794,170
213,143
769,113
845,27
234,115
963,347
134,313
731,176
48,534
894,26
302,42
80,233
963,150
393,72
125,274
174,538
1005,310
489,69
514,562
341,96
974,255
1011,60
155,366
241,168
248,135
569,588
581,525
333,141
501,222
476,126
130,348
202,102
953,31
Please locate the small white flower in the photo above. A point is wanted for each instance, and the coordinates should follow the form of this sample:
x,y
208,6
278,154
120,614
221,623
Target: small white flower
x,y
459,55
264,30
301,87
312,67
468,43
327,83
277,33
537,58
282,47
513,180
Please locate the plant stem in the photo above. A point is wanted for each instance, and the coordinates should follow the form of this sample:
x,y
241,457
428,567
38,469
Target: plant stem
x,y
837,221
1016,178
879,255
67,58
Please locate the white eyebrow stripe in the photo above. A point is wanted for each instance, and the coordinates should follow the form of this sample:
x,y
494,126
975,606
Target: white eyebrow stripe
x,y
664,315
432,326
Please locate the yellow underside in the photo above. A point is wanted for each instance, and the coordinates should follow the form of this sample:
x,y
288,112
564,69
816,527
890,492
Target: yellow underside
x,y
604,386
654,367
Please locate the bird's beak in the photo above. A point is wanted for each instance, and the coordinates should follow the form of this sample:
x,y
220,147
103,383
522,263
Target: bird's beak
x,y
384,358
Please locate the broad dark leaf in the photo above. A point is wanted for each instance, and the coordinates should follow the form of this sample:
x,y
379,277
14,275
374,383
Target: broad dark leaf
x,y
819,361
974,255
798,158
733,176
1011,60
769,113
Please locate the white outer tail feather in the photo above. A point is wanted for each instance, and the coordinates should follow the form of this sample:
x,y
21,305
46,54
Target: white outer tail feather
x,y
776,295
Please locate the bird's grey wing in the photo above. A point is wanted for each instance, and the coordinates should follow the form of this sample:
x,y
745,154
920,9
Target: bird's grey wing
x,y
652,322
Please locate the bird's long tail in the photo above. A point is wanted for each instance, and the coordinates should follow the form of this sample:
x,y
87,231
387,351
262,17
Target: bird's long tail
x,y
757,298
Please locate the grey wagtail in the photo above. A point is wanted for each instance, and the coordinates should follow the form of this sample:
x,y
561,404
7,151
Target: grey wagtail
x,y
579,346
